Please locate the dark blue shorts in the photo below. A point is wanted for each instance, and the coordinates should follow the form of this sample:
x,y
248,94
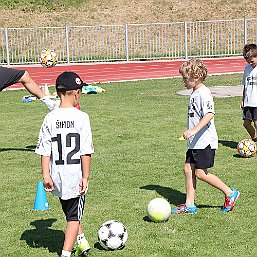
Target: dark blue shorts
x,y
9,76
73,208
250,113
202,158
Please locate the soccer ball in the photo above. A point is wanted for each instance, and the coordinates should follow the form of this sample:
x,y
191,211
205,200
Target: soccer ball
x,y
112,235
48,58
158,210
246,148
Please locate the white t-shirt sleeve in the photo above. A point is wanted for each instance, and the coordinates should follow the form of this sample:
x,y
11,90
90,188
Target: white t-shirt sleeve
x,y
87,146
208,104
44,139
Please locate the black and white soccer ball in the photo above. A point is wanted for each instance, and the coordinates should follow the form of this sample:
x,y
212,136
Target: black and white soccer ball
x,y
112,235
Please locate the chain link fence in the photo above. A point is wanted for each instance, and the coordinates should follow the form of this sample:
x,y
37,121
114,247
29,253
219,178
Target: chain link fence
x,y
129,42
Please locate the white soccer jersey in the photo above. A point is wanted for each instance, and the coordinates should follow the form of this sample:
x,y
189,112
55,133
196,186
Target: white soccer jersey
x,y
250,86
64,136
201,103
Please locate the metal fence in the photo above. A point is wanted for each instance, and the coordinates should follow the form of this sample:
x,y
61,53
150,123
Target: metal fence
x,y
129,42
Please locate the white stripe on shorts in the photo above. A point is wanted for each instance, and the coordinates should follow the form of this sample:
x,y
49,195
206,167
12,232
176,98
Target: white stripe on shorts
x,y
81,206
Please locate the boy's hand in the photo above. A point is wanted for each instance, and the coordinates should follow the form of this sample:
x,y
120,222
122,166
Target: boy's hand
x,y
83,185
48,184
242,104
188,133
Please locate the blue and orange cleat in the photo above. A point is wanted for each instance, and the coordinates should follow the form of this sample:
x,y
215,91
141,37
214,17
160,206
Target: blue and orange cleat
x,y
183,208
230,200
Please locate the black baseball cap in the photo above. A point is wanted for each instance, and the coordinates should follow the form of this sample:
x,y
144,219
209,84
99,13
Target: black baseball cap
x,y
69,80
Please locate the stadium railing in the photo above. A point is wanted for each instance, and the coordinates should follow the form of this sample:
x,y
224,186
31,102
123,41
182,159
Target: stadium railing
x,y
129,42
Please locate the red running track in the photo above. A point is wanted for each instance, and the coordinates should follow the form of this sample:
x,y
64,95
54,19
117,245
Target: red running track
x,y
128,71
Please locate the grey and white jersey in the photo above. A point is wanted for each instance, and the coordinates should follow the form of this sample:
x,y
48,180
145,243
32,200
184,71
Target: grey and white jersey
x,y
250,86
201,103
64,136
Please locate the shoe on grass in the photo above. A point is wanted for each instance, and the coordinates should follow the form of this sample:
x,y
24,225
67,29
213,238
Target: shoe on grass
x,y
183,208
82,248
230,200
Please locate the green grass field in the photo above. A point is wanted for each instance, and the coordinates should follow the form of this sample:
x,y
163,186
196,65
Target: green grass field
x,y
137,158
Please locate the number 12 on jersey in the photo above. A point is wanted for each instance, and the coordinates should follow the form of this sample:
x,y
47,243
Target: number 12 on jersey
x,y
68,143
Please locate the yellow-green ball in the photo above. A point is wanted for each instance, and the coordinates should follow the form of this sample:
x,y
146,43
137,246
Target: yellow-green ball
x,y
158,210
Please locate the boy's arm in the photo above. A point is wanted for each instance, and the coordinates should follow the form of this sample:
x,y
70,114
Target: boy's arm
x,y
243,97
48,182
203,122
85,160
244,85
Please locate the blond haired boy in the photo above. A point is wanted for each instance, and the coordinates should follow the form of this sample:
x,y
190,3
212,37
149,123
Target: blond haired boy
x,y
202,139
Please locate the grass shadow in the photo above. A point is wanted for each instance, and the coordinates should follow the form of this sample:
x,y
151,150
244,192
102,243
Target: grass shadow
x,y
173,196
29,148
231,144
43,236
237,156
99,247
204,206
147,219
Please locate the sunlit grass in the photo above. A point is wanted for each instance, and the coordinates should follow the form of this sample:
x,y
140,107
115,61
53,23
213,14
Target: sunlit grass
x,y
137,158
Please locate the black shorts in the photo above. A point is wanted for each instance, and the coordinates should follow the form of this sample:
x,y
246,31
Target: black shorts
x,y
9,76
73,208
202,158
250,113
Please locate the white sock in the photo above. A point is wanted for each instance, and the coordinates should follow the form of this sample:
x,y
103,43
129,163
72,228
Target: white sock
x,y
66,253
80,237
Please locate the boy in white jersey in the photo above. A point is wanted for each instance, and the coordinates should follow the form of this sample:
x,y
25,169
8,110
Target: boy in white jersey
x,y
249,82
202,139
65,145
